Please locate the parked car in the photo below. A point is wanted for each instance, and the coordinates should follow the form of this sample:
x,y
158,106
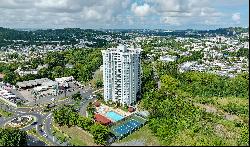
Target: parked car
x,y
45,135
34,123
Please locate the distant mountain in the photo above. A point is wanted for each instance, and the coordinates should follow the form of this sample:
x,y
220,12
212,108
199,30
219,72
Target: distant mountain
x,y
72,35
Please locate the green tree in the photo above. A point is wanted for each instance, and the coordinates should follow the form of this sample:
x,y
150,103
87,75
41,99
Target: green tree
x,y
10,77
100,133
98,83
244,136
13,137
169,83
77,96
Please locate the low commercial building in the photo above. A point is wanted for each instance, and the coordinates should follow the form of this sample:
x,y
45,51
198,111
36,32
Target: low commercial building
x,y
40,87
64,79
9,97
46,88
168,58
32,83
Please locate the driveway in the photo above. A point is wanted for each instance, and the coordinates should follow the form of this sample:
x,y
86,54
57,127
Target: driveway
x,y
130,143
86,101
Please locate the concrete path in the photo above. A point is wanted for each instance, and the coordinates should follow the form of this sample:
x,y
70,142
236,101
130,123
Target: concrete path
x,y
130,143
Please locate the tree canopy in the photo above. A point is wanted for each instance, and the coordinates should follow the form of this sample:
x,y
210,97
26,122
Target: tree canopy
x,y
13,137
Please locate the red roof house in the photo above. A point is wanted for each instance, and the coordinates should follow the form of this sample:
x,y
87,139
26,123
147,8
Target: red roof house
x,y
102,119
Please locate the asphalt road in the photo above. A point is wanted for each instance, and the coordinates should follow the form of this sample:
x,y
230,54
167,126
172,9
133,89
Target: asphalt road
x,y
46,119
48,130
33,141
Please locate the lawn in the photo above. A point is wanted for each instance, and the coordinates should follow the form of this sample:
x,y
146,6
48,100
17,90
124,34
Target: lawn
x,y
33,132
5,113
78,136
145,134
234,105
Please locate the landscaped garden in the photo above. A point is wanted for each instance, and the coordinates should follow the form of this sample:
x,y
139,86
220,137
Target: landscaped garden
x,y
20,122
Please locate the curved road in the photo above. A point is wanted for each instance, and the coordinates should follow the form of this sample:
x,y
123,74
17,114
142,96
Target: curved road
x,y
46,119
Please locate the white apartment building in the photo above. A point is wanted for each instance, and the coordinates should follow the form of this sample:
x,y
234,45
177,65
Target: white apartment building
x,y
122,74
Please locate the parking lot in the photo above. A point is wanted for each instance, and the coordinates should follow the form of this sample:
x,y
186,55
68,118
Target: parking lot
x,y
46,98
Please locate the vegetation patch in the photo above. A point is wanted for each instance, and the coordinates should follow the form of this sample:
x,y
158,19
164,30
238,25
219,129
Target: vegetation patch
x,y
33,132
186,109
12,137
67,116
5,113
148,137
77,137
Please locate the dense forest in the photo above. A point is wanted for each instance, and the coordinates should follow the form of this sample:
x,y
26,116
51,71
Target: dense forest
x,y
190,32
173,111
67,36
71,36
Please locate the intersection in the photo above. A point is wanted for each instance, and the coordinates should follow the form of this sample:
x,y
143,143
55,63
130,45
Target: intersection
x,y
43,120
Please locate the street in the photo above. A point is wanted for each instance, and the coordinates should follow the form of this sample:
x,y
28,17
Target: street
x,y
45,119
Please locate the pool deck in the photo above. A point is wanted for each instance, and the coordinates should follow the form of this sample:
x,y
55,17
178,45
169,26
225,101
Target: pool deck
x,y
107,109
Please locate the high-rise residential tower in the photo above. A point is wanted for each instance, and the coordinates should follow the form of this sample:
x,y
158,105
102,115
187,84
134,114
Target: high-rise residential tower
x,y
122,74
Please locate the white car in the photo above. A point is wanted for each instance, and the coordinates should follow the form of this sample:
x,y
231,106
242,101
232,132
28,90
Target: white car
x,y
45,135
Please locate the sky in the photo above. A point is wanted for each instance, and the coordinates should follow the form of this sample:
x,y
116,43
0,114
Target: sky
x,y
124,14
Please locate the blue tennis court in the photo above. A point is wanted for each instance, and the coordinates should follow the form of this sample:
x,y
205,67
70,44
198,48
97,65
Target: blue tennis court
x,y
127,127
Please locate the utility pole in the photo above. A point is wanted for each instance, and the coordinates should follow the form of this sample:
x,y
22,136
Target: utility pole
x,y
64,88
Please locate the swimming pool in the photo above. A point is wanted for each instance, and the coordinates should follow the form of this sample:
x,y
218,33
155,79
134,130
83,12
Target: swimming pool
x,y
114,116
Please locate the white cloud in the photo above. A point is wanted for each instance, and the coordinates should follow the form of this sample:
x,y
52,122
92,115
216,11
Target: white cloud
x,y
80,13
170,21
142,10
210,21
166,5
120,13
236,17
91,14
178,12
209,12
